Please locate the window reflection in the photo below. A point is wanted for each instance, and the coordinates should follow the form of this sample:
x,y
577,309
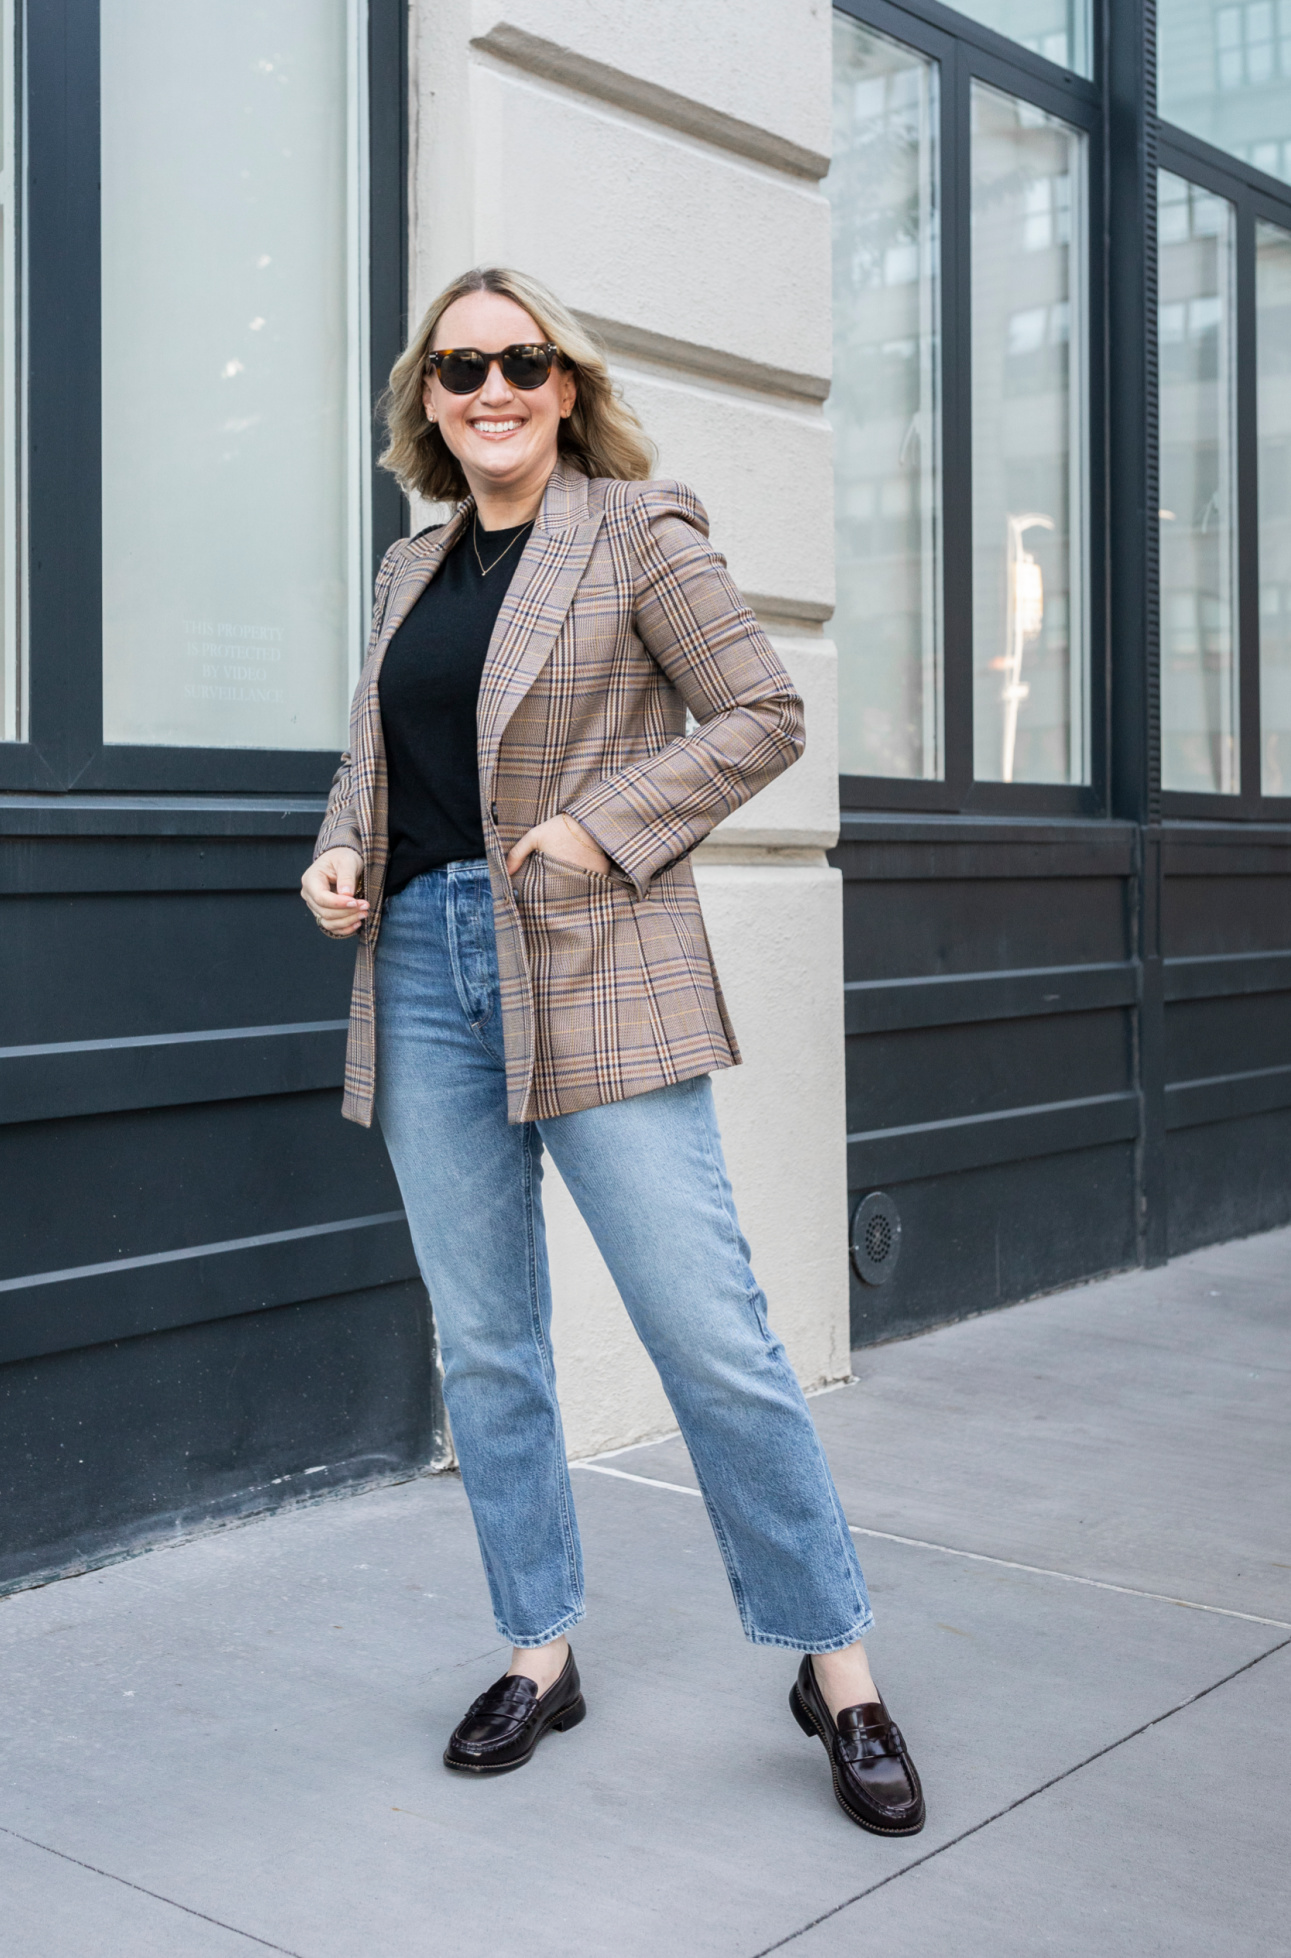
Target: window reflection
x,y
1199,675
1273,371
1224,73
1057,29
1029,652
10,676
884,406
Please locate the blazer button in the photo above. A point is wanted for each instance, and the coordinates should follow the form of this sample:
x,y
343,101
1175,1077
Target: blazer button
x,y
493,810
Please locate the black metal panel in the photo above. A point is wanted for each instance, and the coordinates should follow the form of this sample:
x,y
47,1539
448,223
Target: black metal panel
x,y
104,967
937,1073
59,1311
987,1236
961,999
1210,1037
1229,1178
991,997
108,1449
164,1070
1228,975
101,1187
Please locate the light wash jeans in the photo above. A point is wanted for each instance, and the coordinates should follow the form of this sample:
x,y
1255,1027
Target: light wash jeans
x,y
649,1178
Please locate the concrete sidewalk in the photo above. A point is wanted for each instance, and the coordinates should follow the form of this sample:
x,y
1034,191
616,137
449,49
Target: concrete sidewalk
x,y
1073,1516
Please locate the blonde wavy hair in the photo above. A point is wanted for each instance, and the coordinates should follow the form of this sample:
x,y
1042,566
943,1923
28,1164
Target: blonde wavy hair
x,y
602,434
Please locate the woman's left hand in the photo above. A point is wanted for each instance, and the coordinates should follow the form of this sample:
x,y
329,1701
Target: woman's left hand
x,y
563,839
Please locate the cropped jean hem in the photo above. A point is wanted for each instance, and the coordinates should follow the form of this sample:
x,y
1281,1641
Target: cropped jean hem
x,y
566,1624
861,1627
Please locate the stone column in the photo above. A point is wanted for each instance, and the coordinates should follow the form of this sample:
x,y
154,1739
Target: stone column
x,y
660,168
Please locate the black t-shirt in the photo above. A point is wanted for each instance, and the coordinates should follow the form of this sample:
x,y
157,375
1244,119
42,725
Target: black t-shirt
x,y
430,680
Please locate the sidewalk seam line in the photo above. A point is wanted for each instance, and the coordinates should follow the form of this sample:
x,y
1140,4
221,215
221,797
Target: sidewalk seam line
x,y
110,1876
981,1557
1021,1801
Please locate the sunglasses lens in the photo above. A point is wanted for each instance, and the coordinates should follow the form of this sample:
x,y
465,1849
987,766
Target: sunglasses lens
x,y
462,373
526,367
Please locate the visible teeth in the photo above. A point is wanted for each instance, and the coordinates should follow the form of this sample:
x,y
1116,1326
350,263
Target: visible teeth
x,y
495,428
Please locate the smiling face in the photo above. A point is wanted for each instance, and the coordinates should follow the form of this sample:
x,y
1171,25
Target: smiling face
x,y
505,438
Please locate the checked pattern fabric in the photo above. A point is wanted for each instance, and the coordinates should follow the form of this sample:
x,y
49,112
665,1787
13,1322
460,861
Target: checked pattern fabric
x,y
620,618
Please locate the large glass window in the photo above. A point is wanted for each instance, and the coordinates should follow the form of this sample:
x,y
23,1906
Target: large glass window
x,y
884,405
1057,29
1273,384
1225,75
10,674
1198,486
234,423
1030,663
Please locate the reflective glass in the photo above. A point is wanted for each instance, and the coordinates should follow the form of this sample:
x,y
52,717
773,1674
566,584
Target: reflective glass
x,y
233,428
10,671
1273,371
884,406
1224,73
1199,676
1057,29
1030,660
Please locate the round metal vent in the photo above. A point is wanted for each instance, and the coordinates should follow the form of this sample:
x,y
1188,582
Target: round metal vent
x,y
876,1238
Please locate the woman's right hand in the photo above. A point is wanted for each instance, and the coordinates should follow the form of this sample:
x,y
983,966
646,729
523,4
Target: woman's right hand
x,y
328,888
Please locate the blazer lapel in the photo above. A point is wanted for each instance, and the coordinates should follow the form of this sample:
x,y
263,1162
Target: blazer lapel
x,y
534,609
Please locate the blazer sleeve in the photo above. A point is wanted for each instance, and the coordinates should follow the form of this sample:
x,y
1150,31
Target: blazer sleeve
x,y
340,828
694,624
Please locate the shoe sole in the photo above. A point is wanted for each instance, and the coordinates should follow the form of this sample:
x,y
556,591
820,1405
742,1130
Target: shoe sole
x,y
571,1717
807,1720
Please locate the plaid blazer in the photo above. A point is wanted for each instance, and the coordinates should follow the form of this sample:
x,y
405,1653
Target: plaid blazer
x,y
620,617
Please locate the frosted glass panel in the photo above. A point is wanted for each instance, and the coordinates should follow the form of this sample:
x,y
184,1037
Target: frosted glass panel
x,y
1273,370
884,406
1195,317
233,433
1224,72
1030,653
1057,29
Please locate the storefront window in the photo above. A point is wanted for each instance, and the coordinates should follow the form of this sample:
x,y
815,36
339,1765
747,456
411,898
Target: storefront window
x,y
1030,664
1225,75
10,675
1199,673
1057,29
234,423
884,406
1273,381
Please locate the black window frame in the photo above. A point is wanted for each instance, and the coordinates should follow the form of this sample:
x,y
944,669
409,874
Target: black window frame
x,y
62,746
1254,196
968,53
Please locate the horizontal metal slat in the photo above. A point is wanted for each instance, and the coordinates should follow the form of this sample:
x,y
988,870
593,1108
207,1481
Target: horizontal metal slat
x,y
955,999
57,1311
1226,1097
902,1155
96,1077
1227,975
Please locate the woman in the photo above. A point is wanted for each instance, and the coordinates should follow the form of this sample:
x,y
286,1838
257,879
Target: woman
x,y
509,840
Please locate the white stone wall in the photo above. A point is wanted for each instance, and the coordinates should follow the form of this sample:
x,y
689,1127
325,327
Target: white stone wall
x,y
659,166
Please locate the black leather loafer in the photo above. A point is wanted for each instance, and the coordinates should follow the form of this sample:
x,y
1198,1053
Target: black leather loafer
x,y
874,1778
502,1728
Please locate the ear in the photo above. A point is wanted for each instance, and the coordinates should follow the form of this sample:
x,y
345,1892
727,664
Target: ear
x,y
428,395
568,392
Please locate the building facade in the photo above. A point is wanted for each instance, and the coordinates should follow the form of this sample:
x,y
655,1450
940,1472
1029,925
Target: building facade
x,y
1009,951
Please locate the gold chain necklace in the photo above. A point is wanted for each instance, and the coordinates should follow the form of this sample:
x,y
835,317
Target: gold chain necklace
x,y
486,568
